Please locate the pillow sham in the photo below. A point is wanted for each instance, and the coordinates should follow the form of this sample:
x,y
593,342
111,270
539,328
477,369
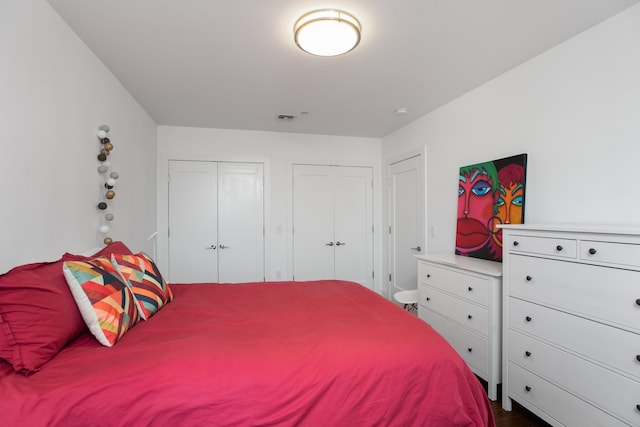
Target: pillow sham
x,y
38,315
105,301
143,276
116,247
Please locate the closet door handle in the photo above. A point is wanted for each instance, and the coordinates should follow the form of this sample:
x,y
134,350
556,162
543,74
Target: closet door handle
x,y
417,248
339,243
224,247
211,247
329,244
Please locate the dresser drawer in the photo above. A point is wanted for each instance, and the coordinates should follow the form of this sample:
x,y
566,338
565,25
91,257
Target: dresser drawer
x,y
582,378
550,246
473,348
613,347
616,254
601,293
562,407
463,312
464,285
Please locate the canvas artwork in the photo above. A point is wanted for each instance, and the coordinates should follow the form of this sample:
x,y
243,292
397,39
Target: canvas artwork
x,y
489,194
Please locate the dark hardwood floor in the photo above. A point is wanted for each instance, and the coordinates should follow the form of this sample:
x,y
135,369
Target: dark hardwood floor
x,y
517,417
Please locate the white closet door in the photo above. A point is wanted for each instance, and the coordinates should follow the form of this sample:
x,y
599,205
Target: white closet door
x,y
405,214
333,223
192,227
240,222
313,241
353,219
216,231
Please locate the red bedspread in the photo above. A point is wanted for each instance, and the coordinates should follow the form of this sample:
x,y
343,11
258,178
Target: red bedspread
x,y
327,353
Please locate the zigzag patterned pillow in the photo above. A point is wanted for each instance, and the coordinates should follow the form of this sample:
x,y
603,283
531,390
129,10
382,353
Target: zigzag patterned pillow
x,y
148,286
106,303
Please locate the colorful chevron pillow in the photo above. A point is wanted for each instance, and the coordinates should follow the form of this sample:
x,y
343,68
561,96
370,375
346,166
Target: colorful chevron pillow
x,y
105,301
144,278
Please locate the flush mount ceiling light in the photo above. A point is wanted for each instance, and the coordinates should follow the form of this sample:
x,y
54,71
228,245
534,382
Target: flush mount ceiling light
x,y
327,32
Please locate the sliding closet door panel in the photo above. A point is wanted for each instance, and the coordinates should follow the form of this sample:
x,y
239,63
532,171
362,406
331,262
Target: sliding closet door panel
x,y
313,239
353,219
240,222
192,230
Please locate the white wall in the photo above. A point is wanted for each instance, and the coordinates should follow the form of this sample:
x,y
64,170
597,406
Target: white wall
x,y
574,109
54,93
278,151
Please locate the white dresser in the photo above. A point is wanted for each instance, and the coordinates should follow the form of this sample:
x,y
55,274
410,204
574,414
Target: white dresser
x,y
460,297
572,323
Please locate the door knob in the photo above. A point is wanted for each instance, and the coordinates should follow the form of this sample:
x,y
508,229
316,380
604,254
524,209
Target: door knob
x,y
224,247
329,244
211,247
339,243
417,248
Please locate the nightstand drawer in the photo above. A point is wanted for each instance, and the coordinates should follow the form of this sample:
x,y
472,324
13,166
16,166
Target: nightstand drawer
x,y
466,286
473,348
615,348
563,248
609,295
582,378
460,311
565,408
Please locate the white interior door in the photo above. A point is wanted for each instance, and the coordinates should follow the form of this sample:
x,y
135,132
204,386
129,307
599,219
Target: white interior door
x,y
192,227
333,223
406,191
353,219
216,226
240,222
313,240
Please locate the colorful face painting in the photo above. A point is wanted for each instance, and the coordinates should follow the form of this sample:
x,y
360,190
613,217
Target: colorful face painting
x,y
489,194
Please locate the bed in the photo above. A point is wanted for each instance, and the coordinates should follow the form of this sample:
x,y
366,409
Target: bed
x,y
321,353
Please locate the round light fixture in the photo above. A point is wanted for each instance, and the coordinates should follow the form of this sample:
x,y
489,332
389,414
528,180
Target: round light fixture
x,y
327,32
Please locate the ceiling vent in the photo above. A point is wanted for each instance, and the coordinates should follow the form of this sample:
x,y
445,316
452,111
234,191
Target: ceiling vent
x,y
286,117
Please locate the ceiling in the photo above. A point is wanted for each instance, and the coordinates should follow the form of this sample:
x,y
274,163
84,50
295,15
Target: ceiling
x,y
233,63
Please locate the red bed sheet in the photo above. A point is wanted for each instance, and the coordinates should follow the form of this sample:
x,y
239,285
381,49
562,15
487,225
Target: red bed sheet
x,y
325,353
